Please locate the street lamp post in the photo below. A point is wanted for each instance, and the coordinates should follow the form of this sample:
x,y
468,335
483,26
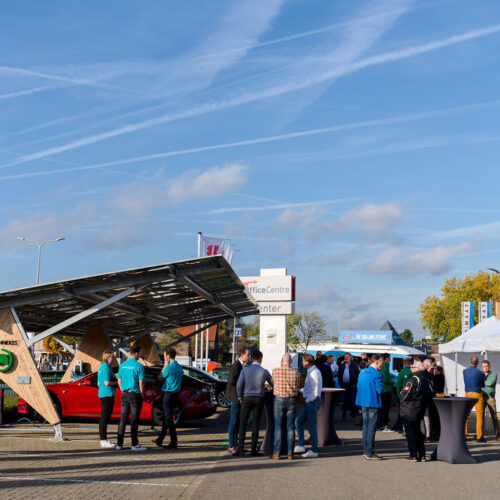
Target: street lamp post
x,y
40,245
339,315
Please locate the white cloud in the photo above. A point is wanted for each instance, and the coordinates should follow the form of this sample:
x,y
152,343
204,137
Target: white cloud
x,y
209,184
397,261
137,200
372,221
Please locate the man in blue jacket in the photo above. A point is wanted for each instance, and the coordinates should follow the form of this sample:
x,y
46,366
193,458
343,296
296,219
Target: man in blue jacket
x,y
370,388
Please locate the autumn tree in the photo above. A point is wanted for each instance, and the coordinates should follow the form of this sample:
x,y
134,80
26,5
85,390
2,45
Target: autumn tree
x,y
441,316
304,328
52,346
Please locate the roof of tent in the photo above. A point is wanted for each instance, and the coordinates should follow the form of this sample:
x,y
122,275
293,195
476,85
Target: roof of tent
x,y
485,336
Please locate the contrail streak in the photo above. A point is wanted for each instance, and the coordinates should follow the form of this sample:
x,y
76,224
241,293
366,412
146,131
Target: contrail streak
x,y
262,140
24,92
270,92
280,206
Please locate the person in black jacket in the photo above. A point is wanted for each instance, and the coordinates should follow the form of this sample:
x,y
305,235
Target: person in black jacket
x,y
415,399
326,371
234,419
348,380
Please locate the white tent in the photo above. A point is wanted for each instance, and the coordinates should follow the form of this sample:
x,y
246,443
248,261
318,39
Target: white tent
x,y
483,341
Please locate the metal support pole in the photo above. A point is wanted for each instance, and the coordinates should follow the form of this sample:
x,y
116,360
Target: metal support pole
x,y
201,349
206,347
456,373
196,348
234,336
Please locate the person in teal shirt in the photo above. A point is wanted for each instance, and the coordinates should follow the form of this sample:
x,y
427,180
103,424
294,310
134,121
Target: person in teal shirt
x,y
131,382
171,376
107,387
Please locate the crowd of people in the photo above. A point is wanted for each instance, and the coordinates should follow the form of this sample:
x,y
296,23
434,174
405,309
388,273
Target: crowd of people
x,y
368,391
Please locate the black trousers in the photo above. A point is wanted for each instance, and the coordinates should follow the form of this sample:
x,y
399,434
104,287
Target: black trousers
x,y
107,404
254,405
131,406
414,437
168,401
349,398
386,406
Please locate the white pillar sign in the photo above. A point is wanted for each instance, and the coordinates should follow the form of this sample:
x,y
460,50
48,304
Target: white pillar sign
x,y
274,292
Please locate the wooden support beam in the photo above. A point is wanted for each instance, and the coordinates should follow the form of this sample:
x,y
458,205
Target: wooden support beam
x,y
89,351
23,376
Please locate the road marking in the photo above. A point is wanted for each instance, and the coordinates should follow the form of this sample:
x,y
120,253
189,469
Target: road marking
x,y
111,456
6,477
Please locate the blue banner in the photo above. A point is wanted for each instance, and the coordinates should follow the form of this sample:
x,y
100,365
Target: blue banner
x,y
366,336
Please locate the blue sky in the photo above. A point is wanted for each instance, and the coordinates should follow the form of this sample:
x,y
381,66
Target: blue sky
x,y
355,143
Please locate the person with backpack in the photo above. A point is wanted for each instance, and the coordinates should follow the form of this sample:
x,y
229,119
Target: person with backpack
x,y
415,399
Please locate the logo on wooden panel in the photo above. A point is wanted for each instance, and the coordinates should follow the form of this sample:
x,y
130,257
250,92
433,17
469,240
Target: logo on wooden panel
x,y
6,360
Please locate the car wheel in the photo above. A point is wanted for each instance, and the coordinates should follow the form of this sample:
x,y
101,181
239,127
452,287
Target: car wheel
x,y
222,400
57,406
157,415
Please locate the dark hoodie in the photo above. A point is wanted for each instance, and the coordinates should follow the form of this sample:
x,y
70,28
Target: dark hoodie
x,y
416,396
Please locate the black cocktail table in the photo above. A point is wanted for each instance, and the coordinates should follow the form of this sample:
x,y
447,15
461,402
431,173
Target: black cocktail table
x,y
327,435
453,413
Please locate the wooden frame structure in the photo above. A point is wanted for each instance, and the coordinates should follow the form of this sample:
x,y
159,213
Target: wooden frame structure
x,y
111,311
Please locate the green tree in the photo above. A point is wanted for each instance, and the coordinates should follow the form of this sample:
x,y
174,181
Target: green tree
x,y
441,316
304,328
407,336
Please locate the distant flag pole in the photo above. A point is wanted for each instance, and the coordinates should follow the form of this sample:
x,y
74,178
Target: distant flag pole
x,y
197,326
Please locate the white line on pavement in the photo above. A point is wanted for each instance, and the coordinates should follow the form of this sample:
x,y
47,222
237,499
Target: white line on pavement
x,y
6,477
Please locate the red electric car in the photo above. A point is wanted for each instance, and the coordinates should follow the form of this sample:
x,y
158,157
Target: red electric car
x,y
79,399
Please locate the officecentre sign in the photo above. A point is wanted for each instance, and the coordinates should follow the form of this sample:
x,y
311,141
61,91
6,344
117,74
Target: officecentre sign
x,y
270,288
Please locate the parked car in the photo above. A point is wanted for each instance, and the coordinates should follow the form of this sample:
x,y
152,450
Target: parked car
x,y
220,385
79,399
221,373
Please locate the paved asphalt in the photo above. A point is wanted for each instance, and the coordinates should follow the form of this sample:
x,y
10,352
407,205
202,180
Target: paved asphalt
x,y
32,465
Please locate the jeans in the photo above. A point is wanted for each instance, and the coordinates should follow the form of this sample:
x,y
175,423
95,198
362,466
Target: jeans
x,y
348,402
309,412
107,404
414,438
168,401
234,421
281,406
254,405
370,420
479,413
131,405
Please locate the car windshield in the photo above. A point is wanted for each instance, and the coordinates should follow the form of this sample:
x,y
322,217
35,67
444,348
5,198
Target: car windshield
x,y
197,374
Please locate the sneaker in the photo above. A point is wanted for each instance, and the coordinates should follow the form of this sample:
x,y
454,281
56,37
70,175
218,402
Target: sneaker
x,y
118,447
106,443
156,443
274,456
172,446
310,454
387,429
289,457
138,447
411,459
373,456
482,440
299,449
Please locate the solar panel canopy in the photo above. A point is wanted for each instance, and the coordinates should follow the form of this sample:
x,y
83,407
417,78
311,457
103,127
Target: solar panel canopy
x,y
129,302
